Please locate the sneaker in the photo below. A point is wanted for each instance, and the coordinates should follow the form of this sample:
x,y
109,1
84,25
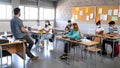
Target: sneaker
x,y
104,53
34,58
64,56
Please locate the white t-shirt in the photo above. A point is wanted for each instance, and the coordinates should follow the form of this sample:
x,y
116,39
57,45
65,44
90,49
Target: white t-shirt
x,y
37,27
98,29
49,27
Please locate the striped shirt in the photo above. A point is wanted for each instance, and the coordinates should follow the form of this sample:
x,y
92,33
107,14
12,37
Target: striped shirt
x,y
113,30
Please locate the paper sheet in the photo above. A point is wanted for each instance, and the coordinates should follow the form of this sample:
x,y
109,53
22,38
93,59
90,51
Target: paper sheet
x,y
119,14
115,12
81,13
110,12
77,9
91,15
114,18
105,17
87,18
76,17
101,16
100,11
86,10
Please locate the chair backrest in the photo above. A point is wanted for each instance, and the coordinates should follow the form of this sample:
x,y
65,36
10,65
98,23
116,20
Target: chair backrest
x,y
97,39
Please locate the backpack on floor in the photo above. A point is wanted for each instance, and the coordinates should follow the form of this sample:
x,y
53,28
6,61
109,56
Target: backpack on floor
x,y
116,50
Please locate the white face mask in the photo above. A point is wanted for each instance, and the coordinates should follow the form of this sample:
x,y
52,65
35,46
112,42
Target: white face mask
x,y
98,26
46,23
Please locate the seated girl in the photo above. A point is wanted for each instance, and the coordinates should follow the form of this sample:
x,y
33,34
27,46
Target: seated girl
x,y
73,34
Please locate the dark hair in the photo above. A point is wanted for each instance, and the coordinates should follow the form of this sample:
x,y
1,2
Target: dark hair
x,y
98,23
48,22
69,21
111,23
16,11
38,20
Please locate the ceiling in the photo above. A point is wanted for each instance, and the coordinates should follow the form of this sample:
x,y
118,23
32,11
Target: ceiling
x,y
41,0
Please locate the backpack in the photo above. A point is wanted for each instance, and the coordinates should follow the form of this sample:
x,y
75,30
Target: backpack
x,y
116,50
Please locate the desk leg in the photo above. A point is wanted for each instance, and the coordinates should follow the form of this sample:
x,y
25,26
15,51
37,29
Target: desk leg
x,y
1,55
113,49
24,53
39,42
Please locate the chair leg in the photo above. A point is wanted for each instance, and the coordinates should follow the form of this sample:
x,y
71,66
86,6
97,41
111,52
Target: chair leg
x,y
7,60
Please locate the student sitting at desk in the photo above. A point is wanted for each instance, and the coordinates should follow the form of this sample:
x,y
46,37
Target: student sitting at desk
x,y
48,29
99,29
73,34
68,27
113,30
37,27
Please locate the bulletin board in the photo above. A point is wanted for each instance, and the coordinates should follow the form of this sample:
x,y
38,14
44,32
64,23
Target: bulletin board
x,y
83,14
108,13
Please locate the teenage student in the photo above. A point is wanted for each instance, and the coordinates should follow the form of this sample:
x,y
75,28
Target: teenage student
x,y
68,26
37,26
19,32
113,30
73,34
99,29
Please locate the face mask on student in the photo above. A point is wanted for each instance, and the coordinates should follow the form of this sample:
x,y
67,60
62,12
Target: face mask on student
x,y
98,26
46,23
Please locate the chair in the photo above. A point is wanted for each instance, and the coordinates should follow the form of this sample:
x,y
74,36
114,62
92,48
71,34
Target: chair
x,y
92,50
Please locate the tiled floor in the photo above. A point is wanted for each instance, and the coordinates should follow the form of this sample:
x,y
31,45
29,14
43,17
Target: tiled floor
x,y
49,58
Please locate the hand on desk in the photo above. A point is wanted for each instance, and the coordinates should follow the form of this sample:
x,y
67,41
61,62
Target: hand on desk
x,y
63,36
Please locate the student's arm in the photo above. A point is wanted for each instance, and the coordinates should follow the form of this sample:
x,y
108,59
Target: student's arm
x,y
23,28
74,36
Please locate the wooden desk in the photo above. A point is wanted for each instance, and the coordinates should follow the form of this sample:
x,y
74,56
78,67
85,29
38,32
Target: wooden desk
x,y
104,36
107,36
16,47
88,44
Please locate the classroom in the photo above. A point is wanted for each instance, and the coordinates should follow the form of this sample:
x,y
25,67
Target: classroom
x,y
59,33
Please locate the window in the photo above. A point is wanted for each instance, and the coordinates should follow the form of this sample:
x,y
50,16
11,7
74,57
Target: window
x,y
31,13
46,14
41,14
5,12
9,11
22,12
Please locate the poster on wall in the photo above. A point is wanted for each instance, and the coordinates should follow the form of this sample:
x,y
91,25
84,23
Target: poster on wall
x,y
77,9
114,18
87,18
81,12
100,11
91,15
115,12
119,12
110,12
86,10
103,17
76,17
